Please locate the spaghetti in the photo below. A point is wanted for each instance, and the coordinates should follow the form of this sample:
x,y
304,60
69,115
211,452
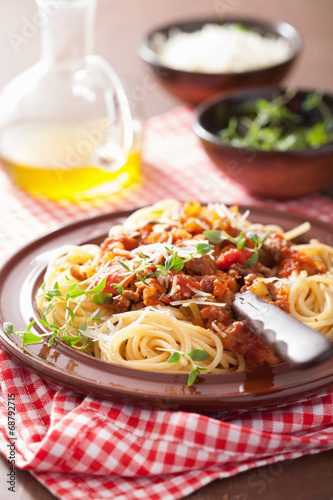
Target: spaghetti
x,y
156,294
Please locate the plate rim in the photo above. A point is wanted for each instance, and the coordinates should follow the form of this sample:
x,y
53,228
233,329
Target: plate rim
x,y
191,398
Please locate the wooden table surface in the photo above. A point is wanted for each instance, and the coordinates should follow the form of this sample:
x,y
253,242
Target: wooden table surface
x,y
119,26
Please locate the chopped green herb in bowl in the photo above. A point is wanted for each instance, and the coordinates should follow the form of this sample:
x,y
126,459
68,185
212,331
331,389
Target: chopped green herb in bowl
x,y
276,143
273,125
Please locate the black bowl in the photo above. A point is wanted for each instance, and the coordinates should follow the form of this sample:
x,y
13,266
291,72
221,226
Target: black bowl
x,y
273,173
194,87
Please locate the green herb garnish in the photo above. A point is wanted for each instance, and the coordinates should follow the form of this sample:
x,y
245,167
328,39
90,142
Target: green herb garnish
x,y
173,263
257,245
193,355
71,301
239,242
76,294
267,125
219,236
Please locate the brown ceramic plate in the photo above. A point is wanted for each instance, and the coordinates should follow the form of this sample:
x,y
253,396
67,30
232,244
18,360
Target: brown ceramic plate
x,y
21,275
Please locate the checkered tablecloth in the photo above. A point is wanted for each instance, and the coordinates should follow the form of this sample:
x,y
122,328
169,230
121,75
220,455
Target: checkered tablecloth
x,y
80,447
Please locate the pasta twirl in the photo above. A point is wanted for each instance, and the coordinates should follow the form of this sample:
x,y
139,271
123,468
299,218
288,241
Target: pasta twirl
x,y
163,282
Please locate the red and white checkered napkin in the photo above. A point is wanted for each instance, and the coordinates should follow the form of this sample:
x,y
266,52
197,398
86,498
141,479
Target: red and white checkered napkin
x,y
80,447
83,448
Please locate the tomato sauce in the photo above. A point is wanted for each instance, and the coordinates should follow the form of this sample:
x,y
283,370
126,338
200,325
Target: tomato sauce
x,y
292,260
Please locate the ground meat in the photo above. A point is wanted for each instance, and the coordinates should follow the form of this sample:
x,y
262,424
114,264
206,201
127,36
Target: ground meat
x,y
136,307
277,297
121,304
274,295
220,286
240,274
126,302
270,252
272,292
160,260
147,229
207,284
132,296
239,339
248,281
234,274
201,266
262,271
151,294
78,273
222,291
220,315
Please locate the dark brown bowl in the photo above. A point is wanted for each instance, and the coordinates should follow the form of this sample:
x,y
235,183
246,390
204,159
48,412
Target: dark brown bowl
x,y
194,87
276,174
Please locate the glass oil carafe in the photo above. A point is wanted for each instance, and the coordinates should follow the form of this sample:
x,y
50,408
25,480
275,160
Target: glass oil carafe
x,y
66,127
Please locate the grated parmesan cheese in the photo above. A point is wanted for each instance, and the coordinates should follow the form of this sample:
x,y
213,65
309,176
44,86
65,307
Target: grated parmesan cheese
x,y
120,251
199,292
193,300
174,289
224,213
220,49
154,251
218,330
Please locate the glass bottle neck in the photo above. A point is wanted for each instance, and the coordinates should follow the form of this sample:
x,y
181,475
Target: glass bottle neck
x,y
67,29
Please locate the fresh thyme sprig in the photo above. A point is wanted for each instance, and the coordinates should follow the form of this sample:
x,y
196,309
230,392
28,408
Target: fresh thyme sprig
x,y
27,337
272,124
240,241
257,245
75,294
176,263
173,263
219,236
136,272
193,355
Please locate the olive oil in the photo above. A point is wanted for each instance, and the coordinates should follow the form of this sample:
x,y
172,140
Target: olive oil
x,y
66,123
60,162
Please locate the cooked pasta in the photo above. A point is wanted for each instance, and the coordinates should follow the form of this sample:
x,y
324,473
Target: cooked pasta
x,y
156,294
